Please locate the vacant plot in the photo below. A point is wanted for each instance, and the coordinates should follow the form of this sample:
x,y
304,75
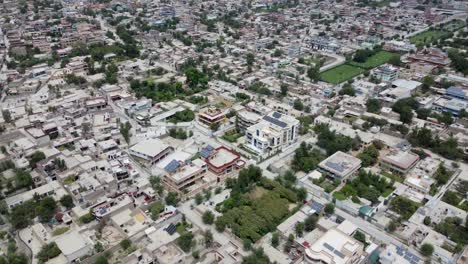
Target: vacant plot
x,y
340,74
375,60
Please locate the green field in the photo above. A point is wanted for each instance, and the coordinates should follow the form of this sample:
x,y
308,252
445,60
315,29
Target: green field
x,y
426,37
340,74
433,34
375,60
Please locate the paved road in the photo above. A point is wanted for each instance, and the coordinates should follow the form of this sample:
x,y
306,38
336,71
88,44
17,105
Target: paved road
x,y
338,61
375,232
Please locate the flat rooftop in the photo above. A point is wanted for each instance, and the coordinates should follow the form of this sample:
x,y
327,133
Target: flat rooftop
x,y
222,156
340,164
401,159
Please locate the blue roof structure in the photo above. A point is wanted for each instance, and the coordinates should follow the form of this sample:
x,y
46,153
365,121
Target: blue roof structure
x,y
317,207
206,151
172,166
457,92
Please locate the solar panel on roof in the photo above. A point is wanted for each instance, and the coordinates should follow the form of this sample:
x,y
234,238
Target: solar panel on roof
x,y
172,166
328,246
276,115
275,121
316,206
171,229
336,166
338,253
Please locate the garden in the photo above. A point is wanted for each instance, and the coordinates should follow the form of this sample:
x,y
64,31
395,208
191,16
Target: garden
x,y
366,185
256,205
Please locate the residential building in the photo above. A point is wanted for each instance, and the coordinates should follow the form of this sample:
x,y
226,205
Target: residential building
x,y
211,116
272,133
453,105
185,177
386,73
222,161
150,151
340,165
398,161
334,247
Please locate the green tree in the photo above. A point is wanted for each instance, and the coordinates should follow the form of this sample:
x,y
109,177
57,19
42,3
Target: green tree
x,y
48,251
6,116
101,260
250,59
155,209
208,238
369,156
67,201
284,89
298,105
275,239
427,249
299,229
125,131
185,241
314,73
126,244
23,179
359,236
35,158
373,106
329,208
310,223
208,217
46,209
172,199
427,220
198,198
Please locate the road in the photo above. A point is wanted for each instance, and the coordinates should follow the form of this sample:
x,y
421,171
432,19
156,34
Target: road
x,y
372,230
338,61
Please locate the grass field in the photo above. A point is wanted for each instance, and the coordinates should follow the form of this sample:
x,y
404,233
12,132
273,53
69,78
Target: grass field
x,y
426,37
375,60
434,34
340,74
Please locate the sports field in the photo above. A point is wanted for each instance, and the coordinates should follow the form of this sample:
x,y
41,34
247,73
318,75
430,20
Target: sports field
x,y
340,73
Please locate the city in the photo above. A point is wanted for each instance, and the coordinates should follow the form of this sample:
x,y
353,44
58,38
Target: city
x,y
222,131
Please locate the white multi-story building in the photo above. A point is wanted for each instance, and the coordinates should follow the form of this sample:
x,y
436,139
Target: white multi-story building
x,y
272,133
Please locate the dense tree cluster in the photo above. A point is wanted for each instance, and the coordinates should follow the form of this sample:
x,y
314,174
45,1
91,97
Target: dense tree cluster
x,y
256,206
22,215
369,156
453,228
333,142
306,158
367,185
403,206
448,148
48,252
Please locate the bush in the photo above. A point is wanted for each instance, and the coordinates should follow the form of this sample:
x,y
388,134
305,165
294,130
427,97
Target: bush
x,y
48,251
125,244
